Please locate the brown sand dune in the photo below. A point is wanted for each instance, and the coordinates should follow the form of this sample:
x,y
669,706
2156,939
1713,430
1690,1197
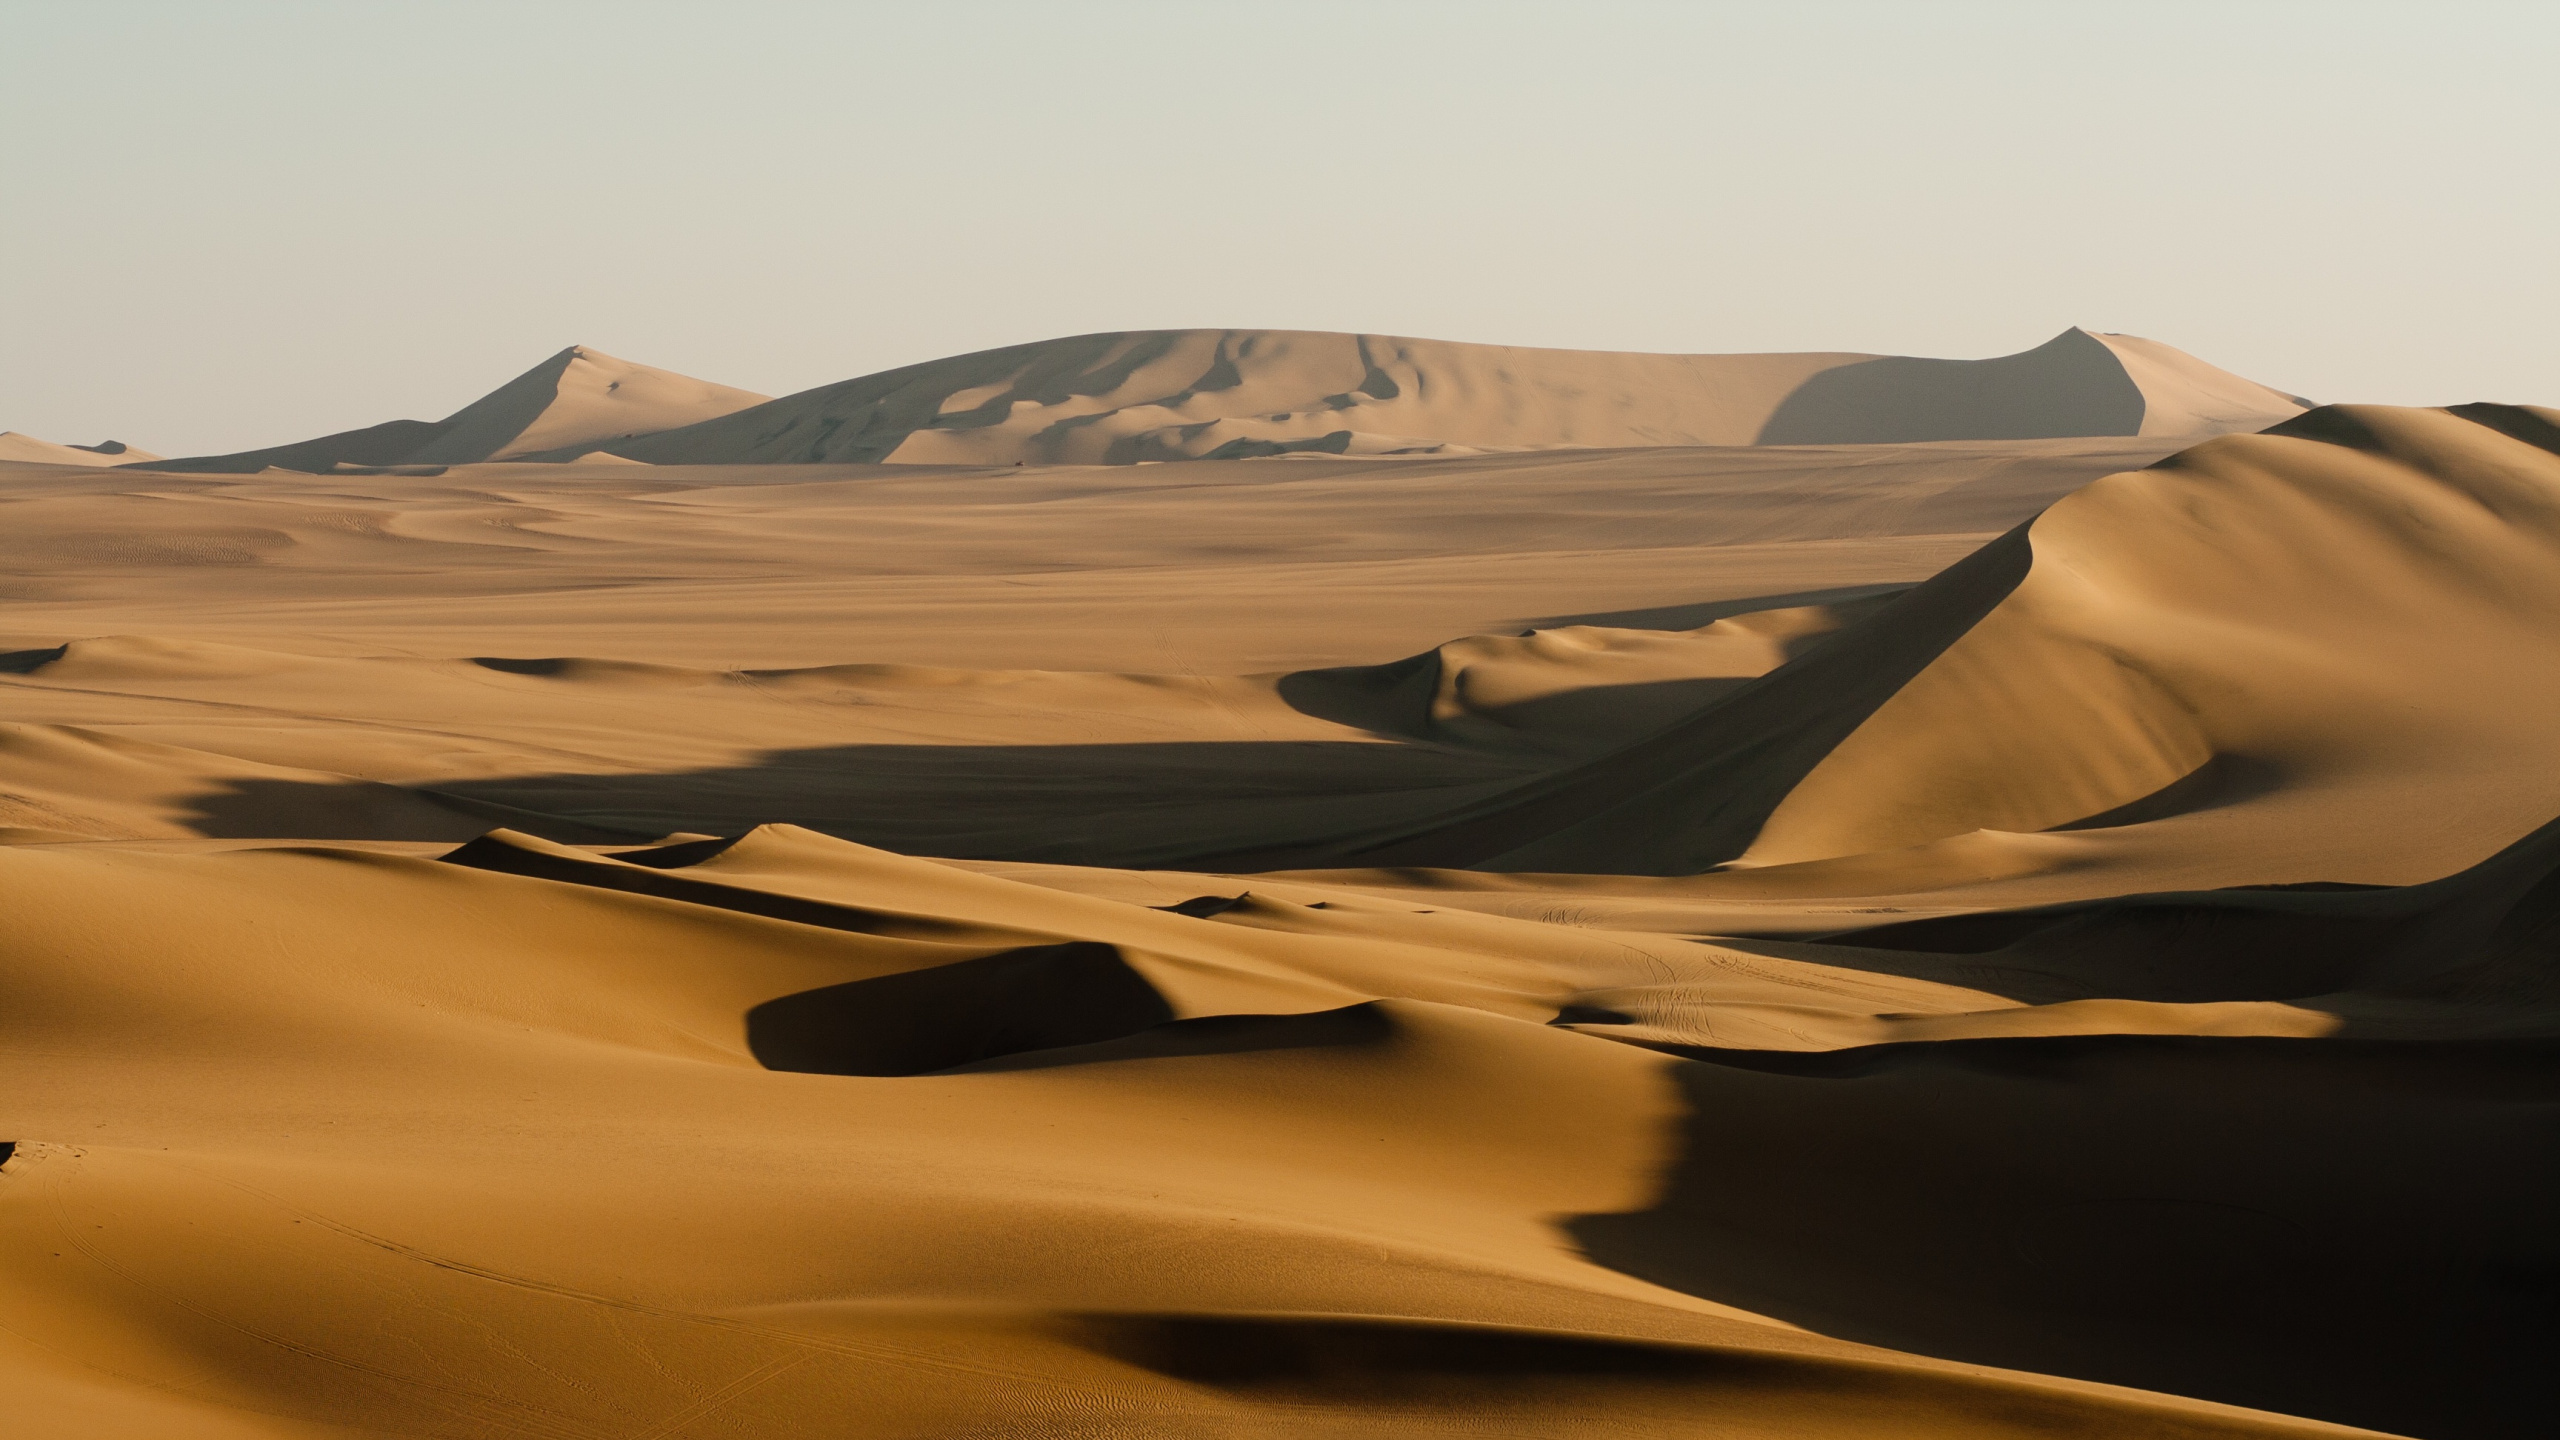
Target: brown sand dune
x,y
1955,1097
1153,395
17,449
1225,394
572,402
459,1151
2256,643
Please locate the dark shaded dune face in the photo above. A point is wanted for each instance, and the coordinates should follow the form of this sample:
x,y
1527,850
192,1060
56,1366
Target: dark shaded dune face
x,y
385,444
2334,1229
2381,958
865,419
1036,998
1348,1027
2070,385
651,872
1313,1376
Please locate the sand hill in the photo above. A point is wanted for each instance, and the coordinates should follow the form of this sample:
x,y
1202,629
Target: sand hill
x,y
2010,937
578,400
28,450
1232,394
1241,394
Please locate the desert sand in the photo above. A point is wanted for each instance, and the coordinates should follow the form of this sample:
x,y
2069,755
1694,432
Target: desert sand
x,y
1621,919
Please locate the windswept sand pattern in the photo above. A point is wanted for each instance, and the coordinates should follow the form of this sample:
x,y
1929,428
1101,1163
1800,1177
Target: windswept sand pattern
x,y
2030,934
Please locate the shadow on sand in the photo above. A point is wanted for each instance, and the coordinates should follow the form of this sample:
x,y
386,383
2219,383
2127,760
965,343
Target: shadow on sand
x,y
2352,1231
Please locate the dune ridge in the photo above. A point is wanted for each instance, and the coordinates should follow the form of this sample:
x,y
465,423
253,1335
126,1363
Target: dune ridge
x,y
2243,605
1228,394
575,401
1124,397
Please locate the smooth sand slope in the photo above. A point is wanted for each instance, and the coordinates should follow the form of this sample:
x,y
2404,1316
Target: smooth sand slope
x,y
1989,938
1153,395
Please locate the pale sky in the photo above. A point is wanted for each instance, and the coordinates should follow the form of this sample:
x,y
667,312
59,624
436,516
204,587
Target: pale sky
x,y
227,223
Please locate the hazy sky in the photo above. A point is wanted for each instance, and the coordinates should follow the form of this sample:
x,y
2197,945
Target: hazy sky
x,y
226,223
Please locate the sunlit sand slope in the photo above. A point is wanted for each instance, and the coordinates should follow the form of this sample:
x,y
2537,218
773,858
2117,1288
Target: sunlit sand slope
x,y
575,401
28,450
2329,642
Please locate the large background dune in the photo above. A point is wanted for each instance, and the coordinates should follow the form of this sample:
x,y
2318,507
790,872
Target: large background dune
x,y
1115,399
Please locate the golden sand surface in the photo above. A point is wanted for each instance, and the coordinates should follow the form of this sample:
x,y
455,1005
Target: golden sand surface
x,y
1995,937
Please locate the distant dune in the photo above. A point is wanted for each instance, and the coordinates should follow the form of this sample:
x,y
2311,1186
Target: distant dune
x,y
1119,398
28,450
1232,394
573,402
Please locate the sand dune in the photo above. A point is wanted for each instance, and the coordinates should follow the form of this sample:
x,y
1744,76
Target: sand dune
x,y
574,402
1353,1216
1227,394
2264,636
17,449
1158,395
2010,937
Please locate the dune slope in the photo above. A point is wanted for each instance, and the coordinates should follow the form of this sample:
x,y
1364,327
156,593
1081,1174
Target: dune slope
x,y
576,401
2264,635
466,1148
1154,395
1226,394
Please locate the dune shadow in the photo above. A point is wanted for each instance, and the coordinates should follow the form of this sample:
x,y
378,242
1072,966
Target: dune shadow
x,y
2070,385
1707,612
1111,804
2351,1231
2486,935
2221,780
645,872
1036,1007
1395,701
1350,1359
1346,1026
1038,997
1680,780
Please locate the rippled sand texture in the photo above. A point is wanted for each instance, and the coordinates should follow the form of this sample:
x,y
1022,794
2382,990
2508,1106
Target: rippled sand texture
x,y
1988,937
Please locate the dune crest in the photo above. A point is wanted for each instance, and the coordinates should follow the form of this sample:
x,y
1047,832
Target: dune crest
x,y
2267,633
1120,398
